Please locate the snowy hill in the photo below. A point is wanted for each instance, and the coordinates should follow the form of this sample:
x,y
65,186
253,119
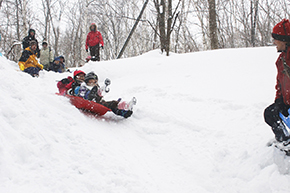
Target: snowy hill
x,y
198,127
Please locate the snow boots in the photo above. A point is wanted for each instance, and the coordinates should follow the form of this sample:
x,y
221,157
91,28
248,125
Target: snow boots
x,y
279,130
122,112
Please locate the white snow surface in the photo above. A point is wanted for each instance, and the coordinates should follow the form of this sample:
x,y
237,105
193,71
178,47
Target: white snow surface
x,y
198,126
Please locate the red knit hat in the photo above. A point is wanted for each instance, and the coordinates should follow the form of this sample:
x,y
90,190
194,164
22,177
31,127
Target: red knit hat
x,y
281,31
78,72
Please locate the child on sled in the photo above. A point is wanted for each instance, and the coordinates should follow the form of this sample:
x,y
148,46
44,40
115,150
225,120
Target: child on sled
x,y
90,90
71,85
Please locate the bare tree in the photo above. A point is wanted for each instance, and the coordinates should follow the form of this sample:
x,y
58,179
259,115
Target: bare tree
x,y
166,21
212,24
133,29
254,16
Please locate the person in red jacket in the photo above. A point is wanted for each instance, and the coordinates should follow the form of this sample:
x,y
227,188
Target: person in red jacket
x,y
281,35
94,41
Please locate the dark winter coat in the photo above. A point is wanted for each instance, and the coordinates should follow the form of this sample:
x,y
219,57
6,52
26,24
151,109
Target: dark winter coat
x,y
57,67
27,39
283,78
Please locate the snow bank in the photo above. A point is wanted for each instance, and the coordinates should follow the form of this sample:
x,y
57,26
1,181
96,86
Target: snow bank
x,y
198,127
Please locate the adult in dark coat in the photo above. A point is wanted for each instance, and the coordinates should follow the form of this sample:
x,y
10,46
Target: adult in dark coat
x,y
27,39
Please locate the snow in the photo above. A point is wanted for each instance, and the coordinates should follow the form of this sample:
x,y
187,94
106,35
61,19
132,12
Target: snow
x,y
198,126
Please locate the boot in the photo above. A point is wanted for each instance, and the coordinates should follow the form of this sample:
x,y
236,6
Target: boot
x,y
123,113
278,129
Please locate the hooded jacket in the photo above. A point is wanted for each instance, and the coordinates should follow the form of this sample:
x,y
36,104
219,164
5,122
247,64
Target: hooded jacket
x,y
94,37
46,56
28,59
27,39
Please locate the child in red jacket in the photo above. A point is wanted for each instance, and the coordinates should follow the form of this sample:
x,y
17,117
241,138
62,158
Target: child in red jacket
x,y
71,84
93,41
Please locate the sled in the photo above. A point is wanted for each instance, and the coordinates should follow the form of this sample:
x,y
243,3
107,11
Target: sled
x,y
86,105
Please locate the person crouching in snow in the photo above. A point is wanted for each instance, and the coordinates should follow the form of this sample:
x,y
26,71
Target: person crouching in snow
x,y
281,36
28,62
56,66
90,90
93,41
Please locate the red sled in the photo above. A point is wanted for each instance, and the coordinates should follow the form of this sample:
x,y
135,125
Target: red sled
x,y
87,106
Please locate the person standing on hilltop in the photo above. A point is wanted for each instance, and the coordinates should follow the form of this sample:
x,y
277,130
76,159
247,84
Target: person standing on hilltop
x,y
93,42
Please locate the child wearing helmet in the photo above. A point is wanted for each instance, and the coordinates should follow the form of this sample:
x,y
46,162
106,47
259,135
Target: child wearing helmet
x,y
71,85
90,90
79,77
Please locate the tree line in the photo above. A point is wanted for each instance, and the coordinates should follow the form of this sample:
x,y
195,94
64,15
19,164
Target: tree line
x,y
178,26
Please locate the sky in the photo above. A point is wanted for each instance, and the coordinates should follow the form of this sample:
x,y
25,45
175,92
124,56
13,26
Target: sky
x,y
197,126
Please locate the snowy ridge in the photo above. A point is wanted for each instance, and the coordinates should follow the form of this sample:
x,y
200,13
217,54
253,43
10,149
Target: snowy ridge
x,y
197,127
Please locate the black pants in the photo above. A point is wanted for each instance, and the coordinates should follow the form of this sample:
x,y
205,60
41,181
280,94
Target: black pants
x,y
95,52
272,118
271,113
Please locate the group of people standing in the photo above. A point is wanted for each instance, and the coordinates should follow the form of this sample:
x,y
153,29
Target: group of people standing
x,y
28,61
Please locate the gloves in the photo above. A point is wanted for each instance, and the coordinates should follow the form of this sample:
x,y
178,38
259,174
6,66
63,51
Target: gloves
x,y
107,82
87,50
279,101
102,47
21,66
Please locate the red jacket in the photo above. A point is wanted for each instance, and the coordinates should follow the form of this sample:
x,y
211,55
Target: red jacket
x,y
64,85
94,38
283,81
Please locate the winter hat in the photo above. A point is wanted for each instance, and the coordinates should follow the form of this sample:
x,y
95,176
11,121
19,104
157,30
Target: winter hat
x,y
32,42
62,58
93,24
89,76
281,31
31,30
57,59
44,43
78,72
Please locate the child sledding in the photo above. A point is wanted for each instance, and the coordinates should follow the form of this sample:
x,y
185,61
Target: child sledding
x,y
86,94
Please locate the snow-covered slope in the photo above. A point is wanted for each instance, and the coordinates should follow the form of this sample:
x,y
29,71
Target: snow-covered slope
x,y
198,127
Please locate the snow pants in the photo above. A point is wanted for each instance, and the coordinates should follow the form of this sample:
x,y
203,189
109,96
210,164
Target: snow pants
x,y
95,52
272,118
33,71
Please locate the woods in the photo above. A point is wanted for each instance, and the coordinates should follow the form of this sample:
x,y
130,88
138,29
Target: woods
x,y
178,26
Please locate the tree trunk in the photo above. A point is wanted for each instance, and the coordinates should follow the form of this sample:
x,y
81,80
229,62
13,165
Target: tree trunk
x,y
254,13
212,25
169,23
